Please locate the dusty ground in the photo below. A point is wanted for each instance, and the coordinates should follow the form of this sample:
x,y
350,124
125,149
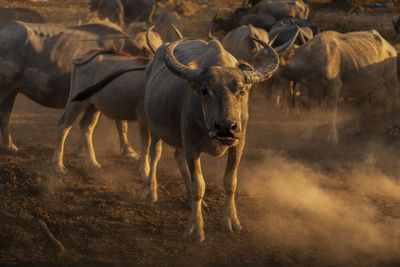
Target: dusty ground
x,y
300,203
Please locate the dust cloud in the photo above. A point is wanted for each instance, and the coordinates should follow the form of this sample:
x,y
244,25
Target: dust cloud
x,y
349,215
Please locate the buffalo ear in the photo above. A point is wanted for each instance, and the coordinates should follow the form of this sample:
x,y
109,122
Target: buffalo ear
x,y
287,54
243,65
194,84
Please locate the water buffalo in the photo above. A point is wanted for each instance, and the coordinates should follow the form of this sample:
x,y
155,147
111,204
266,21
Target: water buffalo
x,y
352,64
35,60
123,11
122,99
196,100
282,9
238,43
163,21
263,21
283,33
8,15
263,14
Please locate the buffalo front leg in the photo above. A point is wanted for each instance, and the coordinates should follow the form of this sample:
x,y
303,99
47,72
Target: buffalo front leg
x,y
356,127
126,148
5,112
196,224
183,169
151,182
231,223
87,125
64,125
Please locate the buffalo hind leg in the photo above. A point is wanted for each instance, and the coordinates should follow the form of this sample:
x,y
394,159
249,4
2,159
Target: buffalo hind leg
x,y
144,167
72,110
391,85
356,127
151,182
332,100
5,112
181,162
126,148
87,125
310,132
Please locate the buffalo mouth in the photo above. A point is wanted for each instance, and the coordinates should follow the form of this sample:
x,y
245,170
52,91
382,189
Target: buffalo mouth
x,y
229,140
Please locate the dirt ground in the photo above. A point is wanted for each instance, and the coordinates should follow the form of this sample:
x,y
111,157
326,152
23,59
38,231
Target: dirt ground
x,y
300,203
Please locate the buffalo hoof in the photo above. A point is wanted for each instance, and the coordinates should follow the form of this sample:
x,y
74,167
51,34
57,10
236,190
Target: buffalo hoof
x,y
93,165
333,138
353,130
147,193
11,148
231,225
129,153
60,168
308,134
194,231
394,131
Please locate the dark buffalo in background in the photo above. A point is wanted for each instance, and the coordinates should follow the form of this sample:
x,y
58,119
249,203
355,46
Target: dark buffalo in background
x,y
123,11
7,15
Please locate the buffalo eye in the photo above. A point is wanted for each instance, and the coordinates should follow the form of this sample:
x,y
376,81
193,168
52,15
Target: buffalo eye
x,y
242,93
204,92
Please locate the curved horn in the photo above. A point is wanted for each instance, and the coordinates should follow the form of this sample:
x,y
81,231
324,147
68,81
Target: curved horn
x,y
264,72
153,10
177,67
148,40
210,35
177,31
288,43
272,41
216,14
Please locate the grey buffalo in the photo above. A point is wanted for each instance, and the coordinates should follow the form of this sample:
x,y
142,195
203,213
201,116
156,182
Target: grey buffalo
x,y
8,15
263,14
238,43
196,100
282,9
263,21
163,21
123,11
122,99
35,60
283,33
352,64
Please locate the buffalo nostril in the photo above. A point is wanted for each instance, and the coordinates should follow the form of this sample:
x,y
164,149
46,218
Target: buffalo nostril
x,y
217,126
233,126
